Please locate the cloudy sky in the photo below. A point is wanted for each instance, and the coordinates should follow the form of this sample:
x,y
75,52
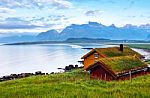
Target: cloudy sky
x,y
42,15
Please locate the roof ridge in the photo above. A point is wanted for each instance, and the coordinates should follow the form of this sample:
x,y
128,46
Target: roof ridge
x,y
119,57
111,47
113,52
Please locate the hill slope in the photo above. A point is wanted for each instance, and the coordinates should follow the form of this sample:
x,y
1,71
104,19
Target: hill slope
x,y
49,35
76,84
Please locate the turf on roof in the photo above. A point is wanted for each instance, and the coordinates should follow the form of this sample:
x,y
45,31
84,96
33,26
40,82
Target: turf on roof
x,y
114,51
123,63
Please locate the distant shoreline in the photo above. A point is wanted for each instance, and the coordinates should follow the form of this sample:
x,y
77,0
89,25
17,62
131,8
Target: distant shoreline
x,y
82,40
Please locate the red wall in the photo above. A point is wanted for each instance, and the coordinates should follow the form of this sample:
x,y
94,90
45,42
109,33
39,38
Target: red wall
x,y
91,60
127,77
100,73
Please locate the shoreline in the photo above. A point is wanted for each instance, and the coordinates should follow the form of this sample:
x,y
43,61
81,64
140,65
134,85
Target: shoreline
x,y
23,75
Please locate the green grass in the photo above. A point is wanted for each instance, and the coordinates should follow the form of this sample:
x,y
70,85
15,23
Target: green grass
x,y
115,51
123,63
75,84
140,46
113,54
148,62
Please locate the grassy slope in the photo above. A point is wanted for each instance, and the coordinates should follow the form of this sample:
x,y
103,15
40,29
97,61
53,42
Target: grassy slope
x,y
76,84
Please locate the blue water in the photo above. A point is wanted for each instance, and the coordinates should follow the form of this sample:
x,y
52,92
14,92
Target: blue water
x,y
45,58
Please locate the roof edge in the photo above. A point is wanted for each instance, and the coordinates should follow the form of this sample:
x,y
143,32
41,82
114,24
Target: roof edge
x,y
93,50
105,67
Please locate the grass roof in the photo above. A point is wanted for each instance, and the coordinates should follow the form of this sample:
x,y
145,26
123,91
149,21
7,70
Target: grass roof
x,y
115,51
123,63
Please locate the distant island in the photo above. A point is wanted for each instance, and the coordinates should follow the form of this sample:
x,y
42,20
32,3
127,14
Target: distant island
x,y
80,40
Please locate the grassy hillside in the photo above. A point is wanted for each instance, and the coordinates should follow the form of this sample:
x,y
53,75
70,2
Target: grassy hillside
x,y
75,84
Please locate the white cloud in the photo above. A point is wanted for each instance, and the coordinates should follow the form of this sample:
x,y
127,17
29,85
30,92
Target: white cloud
x,y
59,4
4,31
6,10
16,23
93,13
12,23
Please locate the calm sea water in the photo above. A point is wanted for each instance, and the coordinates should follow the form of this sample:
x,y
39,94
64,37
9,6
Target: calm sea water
x,y
45,58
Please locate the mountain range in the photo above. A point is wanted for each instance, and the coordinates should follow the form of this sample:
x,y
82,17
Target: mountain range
x,y
89,30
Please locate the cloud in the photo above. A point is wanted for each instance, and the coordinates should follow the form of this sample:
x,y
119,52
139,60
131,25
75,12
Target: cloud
x,y
20,23
38,19
59,4
12,3
138,16
17,26
93,13
132,16
6,10
57,17
16,23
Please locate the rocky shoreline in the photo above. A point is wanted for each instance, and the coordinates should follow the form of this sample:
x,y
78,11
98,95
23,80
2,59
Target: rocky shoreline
x,y
23,75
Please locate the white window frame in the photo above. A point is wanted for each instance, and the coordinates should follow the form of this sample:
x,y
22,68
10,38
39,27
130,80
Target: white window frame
x,y
96,55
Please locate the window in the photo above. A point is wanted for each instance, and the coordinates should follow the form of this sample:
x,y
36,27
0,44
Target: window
x,y
96,55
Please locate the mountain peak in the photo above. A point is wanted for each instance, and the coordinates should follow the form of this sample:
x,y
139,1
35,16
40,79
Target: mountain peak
x,y
129,26
51,31
96,24
93,23
112,25
146,26
49,35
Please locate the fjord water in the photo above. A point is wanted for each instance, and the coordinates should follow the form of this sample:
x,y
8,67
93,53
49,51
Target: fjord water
x,y
46,58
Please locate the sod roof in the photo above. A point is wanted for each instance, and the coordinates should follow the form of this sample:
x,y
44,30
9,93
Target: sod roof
x,y
122,64
114,52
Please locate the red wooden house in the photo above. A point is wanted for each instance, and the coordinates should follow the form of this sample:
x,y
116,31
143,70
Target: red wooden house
x,y
95,54
114,63
116,68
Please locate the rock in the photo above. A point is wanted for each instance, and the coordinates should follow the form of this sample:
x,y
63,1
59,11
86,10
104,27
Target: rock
x,y
76,66
7,77
52,72
71,67
67,68
38,73
1,79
